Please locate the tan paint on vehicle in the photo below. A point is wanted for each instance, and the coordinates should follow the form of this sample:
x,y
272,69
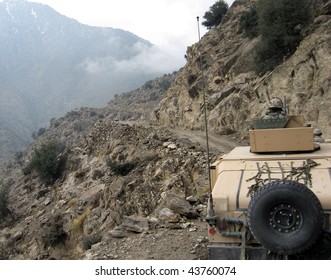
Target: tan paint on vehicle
x,y
236,172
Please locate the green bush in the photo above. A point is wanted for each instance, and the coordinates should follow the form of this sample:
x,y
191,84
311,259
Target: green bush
x,y
4,211
88,241
118,168
215,14
47,162
148,85
165,85
38,133
249,23
53,232
4,255
280,24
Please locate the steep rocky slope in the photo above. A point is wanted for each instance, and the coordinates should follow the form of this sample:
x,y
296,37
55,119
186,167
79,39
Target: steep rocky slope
x,y
119,180
138,104
235,94
131,190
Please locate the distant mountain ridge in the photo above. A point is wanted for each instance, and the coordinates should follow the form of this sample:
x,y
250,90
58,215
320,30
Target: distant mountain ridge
x,y
135,174
51,64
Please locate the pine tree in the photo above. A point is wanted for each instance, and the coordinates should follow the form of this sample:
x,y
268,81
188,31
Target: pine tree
x,y
215,14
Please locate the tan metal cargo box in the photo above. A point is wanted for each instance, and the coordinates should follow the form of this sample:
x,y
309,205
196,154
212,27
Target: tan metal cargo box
x,y
281,140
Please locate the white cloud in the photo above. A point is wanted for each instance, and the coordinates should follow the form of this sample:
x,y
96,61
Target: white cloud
x,y
150,60
96,66
168,24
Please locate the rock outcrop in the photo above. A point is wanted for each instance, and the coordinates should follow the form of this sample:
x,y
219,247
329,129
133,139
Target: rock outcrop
x,y
117,181
234,93
129,190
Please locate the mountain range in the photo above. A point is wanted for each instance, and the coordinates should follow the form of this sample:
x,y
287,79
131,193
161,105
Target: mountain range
x,y
50,64
130,180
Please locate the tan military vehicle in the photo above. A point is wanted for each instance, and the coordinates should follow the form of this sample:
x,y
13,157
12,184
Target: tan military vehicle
x,y
272,199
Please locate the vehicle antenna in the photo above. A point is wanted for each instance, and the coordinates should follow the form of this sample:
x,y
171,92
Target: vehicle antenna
x,y
211,218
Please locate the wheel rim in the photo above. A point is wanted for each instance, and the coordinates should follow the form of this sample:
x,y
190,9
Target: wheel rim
x,y
284,218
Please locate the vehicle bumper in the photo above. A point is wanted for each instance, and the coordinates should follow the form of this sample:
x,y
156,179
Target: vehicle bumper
x,y
234,252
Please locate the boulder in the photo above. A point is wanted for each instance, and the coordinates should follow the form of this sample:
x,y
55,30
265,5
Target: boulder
x,y
168,215
180,206
135,223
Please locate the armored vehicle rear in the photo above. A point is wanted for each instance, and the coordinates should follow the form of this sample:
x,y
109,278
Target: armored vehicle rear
x,y
272,199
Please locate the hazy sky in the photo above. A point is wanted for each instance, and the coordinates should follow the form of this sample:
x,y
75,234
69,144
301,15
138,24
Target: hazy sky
x,y
171,25
158,21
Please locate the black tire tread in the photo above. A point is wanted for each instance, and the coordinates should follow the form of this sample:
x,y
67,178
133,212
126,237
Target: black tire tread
x,y
287,184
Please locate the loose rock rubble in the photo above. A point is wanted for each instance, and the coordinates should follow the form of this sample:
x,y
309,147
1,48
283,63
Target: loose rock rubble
x,y
127,192
132,191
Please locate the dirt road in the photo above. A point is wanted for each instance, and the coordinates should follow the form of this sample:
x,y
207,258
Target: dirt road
x,y
217,144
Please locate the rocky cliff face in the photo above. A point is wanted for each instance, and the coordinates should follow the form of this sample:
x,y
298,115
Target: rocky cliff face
x,y
234,93
137,105
129,190
125,187
119,181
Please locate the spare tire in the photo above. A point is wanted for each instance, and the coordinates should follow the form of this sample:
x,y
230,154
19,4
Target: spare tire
x,y
285,217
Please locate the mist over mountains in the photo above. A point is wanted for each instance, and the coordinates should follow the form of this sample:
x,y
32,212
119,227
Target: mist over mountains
x,y
50,64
